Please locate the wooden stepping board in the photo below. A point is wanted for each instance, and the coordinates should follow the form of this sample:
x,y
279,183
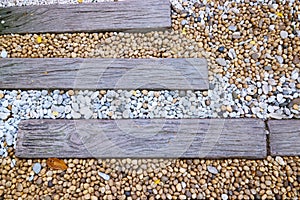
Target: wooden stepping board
x,y
98,73
142,138
284,137
129,15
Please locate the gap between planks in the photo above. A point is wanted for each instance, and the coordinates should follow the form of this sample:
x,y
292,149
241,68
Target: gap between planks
x,y
129,15
142,138
104,73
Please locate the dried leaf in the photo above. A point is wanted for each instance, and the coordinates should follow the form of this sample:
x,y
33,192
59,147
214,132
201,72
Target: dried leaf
x,y
79,1
57,164
157,181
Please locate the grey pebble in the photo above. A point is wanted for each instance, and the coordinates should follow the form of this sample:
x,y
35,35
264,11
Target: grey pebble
x,y
232,28
36,168
221,61
212,169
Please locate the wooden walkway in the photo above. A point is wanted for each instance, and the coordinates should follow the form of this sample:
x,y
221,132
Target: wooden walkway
x,y
79,73
142,138
139,138
129,15
284,137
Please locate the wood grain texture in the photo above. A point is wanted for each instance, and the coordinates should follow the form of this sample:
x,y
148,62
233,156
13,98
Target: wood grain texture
x,y
129,15
98,73
284,137
142,138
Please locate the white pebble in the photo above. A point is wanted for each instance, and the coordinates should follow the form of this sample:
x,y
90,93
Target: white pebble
x,y
104,176
3,54
37,168
280,160
284,34
224,196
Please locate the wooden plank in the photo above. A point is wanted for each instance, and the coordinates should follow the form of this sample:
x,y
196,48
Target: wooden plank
x,y
97,73
142,138
129,15
284,137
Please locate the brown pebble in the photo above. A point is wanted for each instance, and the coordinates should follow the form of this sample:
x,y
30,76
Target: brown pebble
x,y
296,60
70,92
248,98
102,92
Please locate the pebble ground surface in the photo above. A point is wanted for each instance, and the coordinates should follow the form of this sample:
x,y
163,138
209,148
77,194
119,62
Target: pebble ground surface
x,y
252,48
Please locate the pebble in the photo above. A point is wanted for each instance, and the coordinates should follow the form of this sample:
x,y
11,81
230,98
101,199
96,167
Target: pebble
x,y
212,169
36,168
224,197
221,49
221,61
178,187
265,88
231,53
3,54
236,35
248,98
255,56
295,74
104,176
279,59
86,112
126,114
296,60
280,160
232,28
30,178
70,92
284,34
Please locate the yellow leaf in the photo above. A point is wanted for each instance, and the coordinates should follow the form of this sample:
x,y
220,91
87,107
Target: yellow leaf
x,y
183,31
157,181
279,14
252,42
134,93
57,164
80,1
55,113
39,39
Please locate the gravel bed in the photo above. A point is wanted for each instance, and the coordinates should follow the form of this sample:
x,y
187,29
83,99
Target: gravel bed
x,y
271,178
253,50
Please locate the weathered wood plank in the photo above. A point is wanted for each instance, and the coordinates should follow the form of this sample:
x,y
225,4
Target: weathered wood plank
x,y
142,138
284,137
97,73
129,15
